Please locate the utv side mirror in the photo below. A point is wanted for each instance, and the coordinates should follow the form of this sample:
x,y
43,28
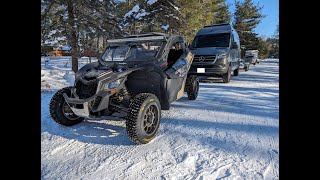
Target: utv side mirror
x,y
234,45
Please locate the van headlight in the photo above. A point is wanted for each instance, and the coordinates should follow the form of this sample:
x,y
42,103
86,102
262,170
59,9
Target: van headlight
x,y
221,56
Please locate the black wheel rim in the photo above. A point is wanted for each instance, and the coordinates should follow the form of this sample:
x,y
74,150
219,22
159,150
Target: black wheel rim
x,y
150,119
67,112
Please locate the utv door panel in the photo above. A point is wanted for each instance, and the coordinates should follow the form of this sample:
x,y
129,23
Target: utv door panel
x,y
173,87
177,76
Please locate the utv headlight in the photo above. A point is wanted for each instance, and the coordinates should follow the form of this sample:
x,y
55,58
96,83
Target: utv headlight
x,y
112,85
221,56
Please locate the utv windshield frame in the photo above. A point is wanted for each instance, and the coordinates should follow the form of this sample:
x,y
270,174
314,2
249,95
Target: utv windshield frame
x,y
138,39
134,51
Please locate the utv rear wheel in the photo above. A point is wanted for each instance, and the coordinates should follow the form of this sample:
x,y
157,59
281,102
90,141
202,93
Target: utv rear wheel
x,y
236,72
60,111
226,77
143,118
192,87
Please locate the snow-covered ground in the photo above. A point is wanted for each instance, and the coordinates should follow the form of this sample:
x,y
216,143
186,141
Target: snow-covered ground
x,y
229,132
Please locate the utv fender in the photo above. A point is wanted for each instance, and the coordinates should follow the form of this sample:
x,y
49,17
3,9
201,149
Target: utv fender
x,y
153,82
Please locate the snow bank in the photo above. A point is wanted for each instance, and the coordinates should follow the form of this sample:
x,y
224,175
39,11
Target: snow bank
x,y
56,72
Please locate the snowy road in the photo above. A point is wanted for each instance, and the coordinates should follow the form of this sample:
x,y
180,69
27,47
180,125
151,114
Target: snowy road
x,y
229,132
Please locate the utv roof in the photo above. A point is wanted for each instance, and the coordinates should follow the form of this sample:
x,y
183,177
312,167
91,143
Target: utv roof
x,y
141,37
215,29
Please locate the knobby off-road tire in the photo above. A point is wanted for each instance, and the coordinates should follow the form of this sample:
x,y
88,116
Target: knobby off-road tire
x,y
143,118
236,72
192,87
60,111
226,77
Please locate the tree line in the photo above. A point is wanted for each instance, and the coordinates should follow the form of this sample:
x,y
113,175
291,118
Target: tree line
x,y
87,24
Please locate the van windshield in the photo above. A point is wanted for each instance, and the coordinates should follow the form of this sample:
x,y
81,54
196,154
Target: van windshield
x,y
211,40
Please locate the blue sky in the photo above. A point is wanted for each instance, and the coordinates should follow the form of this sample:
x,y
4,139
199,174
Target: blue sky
x,y
269,23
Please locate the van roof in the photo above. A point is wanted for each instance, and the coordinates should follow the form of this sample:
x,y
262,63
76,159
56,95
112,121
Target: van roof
x,y
215,29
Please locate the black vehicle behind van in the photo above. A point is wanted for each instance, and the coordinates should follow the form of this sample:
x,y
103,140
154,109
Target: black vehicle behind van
x,y
216,50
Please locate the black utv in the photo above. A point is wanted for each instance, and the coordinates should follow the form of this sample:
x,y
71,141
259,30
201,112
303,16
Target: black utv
x,y
135,78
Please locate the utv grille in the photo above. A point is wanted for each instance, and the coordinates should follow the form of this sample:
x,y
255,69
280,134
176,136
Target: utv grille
x,y
96,102
85,91
204,58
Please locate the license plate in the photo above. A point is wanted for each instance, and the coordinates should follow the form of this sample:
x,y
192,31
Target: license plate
x,y
201,70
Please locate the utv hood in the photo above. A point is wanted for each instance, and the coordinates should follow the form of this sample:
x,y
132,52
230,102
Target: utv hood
x,y
210,50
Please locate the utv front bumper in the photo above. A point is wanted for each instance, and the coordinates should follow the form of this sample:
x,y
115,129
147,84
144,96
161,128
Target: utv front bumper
x,y
85,107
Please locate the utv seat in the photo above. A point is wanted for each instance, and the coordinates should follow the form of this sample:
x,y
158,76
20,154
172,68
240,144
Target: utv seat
x,y
173,56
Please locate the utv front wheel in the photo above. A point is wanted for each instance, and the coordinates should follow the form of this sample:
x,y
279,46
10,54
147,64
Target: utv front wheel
x,y
143,118
226,77
60,110
192,87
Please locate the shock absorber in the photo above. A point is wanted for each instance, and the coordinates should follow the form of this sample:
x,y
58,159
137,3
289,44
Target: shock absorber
x,y
126,96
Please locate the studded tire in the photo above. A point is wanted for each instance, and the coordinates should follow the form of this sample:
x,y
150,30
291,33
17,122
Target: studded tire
x,y
192,87
138,129
236,72
57,104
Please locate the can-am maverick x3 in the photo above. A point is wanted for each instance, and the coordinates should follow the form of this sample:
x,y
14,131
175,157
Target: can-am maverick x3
x,y
138,76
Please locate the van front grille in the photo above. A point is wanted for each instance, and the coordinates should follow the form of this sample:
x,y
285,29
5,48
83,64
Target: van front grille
x,y
204,58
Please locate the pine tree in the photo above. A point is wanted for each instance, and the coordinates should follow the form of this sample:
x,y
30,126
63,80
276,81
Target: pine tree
x,y
263,47
246,17
200,13
222,14
76,17
150,15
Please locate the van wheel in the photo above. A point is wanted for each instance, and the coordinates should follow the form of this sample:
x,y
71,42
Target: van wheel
x,y
246,68
226,77
236,72
143,118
